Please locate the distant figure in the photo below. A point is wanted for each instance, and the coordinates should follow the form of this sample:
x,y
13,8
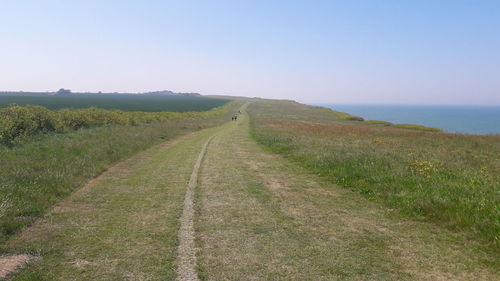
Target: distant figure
x,y
235,117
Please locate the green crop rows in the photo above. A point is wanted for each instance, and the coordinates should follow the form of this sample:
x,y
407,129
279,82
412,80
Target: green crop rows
x,y
124,102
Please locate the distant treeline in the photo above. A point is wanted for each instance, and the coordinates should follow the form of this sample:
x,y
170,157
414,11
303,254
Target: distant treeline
x,y
21,121
69,92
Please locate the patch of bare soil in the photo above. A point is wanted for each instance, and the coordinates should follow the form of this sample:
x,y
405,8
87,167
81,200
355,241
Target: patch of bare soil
x,y
9,264
254,165
69,206
272,182
79,263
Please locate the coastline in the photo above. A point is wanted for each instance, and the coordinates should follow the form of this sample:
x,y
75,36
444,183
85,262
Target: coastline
x,y
460,119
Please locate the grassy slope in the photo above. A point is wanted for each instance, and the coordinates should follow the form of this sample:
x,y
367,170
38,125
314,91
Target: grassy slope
x,y
452,180
40,171
262,217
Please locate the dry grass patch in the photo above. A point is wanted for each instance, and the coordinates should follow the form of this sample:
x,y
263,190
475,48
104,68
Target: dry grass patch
x,y
9,264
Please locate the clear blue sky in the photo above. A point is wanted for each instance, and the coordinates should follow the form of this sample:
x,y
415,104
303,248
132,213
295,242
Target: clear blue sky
x,y
400,51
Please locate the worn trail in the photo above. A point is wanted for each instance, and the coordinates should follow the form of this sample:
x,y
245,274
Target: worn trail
x,y
186,259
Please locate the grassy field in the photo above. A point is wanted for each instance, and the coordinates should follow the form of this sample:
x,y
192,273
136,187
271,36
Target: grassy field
x,y
449,179
39,170
124,102
258,216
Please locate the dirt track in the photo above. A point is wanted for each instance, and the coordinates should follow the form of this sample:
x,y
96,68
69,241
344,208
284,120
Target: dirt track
x,y
186,253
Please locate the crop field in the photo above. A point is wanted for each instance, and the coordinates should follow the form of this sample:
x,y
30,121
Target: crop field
x,y
124,102
450,179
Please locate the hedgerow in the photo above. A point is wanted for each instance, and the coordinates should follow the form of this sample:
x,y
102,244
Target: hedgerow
x,y
21,121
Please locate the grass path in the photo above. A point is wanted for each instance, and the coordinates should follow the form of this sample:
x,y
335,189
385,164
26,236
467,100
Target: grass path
x,y
256,217
261,217
121,226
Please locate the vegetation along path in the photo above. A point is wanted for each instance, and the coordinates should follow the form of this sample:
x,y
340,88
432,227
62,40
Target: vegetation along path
x,y
255,215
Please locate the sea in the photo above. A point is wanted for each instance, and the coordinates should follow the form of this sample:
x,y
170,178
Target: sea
x,y
479,120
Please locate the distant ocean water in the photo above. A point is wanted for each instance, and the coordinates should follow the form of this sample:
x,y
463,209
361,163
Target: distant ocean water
x,y
454,119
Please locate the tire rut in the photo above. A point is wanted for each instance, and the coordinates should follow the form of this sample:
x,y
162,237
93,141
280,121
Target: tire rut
x,y
186,253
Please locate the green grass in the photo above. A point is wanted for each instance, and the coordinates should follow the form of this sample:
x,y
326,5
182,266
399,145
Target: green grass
x,y
124,102
39,170
262,217
259,216
122,226
449,179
